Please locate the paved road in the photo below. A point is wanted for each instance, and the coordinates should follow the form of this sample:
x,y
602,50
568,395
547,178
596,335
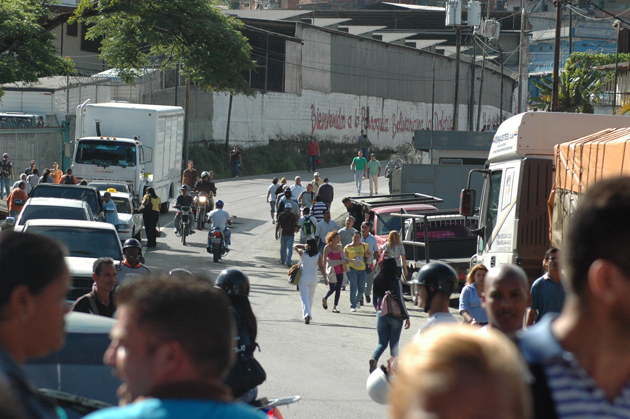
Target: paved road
x,y
325,362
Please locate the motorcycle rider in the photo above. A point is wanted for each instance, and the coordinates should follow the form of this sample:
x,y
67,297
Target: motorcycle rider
x,y
184,200
205,184
131,266
220,219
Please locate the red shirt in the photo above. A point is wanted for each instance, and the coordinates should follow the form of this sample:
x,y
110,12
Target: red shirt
x,y
16,194
313,148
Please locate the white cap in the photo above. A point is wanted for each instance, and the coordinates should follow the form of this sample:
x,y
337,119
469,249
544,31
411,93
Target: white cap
x,y
287,205
316,174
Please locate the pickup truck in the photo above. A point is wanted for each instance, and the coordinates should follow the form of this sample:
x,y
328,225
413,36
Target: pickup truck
x,y
442,235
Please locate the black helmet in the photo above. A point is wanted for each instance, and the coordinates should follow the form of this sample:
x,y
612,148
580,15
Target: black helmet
x,y
132,243
234,282
438,278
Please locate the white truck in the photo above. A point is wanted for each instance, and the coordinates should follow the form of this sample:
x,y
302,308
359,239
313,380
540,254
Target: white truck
x,y
133,143
518,179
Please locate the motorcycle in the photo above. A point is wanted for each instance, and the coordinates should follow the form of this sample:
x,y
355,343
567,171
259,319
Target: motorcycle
x,y
203,203
270,407
217,244
185,218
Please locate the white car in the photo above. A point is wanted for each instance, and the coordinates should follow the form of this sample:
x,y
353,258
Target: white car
x,y
130,223
86,241
53,208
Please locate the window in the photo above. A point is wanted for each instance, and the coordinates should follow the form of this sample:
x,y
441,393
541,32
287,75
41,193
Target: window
x,y
72,30
106,153
491,207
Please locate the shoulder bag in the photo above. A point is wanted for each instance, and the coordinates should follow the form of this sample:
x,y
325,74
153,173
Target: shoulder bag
x,y
390,307
146,208
331,275
295,273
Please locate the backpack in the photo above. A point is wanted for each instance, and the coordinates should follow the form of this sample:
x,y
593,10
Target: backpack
x,y
280,206
5,169
68,180
308,227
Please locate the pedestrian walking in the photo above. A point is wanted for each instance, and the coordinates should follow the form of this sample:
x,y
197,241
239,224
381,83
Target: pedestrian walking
x,y
16,200
22,179
388,327
335,262
190,175
389,171
307,198
327,192
470,299
506,298
373,172
316,182
46,177
358,166
312,150
356,253
271,198
287,197
100,300
33,178
6,174
152,217
394,249
285,232
235,160
370,240
355,210
311,260
346,233
68,178
364,144
547,291
308,226
324,227
56,173
297,188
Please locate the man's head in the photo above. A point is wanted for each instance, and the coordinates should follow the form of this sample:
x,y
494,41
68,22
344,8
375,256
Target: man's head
x,y
36,171
132,250
362,132
33,292
288,207
107,196
104,274
316,176
306,211
326,180
347,202
274,181
551,263
365,229
69,171
318,198
184,190
22,185
327,215
170,329
23,176
506,297
596,248
5,156
437,282
205,176
349,221
360,153
373,157
298,180
191,164
309,188
312,139
219,204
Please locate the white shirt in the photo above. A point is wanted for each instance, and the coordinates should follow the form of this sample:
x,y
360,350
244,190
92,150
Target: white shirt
x,y
296,190
272,189
372,244
219,218
437,318
324,228
301,223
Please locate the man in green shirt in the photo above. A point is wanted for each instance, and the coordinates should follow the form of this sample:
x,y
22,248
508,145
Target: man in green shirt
x,y
373,172
358,165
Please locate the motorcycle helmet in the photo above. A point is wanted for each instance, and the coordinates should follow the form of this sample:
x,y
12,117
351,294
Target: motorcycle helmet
x,y
131,243
205,174
219,204
234,282
183,187
436,277
378,386
182,273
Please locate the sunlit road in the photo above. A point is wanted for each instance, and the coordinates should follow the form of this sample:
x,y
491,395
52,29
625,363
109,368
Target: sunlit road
x,y
325,362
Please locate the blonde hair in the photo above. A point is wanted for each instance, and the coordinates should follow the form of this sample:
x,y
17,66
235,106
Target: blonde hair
x,y
330,236
393,239
449,359
283,181
471,275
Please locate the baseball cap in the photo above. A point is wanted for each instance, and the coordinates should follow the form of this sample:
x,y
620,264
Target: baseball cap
x,y
316,174
287,205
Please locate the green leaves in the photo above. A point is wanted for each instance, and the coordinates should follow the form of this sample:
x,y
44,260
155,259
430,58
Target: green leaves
x,y
210,49
26,50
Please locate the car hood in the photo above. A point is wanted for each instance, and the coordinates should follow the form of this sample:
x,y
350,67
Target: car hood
x,y
124,218
80,266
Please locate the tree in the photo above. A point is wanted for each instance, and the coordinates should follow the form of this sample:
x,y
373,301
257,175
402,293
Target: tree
x,y
26,49
578,85
194,34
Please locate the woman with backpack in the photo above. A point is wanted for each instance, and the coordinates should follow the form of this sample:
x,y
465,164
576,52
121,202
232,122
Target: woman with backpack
x,y
310,260
388,326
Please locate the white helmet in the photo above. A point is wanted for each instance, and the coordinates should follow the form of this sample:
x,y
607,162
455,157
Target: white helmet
x,y
378,386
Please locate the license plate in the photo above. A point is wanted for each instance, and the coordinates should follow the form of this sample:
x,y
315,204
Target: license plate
x,y
216,240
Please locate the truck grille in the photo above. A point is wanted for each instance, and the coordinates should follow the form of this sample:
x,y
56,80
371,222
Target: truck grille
x,y
80,286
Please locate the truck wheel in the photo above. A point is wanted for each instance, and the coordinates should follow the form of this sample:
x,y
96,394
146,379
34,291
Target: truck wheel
x,y
164,207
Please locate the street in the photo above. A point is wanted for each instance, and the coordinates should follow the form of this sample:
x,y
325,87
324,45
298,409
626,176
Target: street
x,y
325,362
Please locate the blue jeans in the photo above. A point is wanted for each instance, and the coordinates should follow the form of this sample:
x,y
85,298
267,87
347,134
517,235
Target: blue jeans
x,y
388,330
5,185
365,153
357,285
286,245
235,165
312,163
358,179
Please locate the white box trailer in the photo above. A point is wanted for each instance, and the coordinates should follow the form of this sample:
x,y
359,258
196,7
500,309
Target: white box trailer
x,y
129,142
518,179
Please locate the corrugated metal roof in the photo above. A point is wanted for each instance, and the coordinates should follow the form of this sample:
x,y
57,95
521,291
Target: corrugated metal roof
x,y
267,14
361,30
424,43
392,37
415,6
325,23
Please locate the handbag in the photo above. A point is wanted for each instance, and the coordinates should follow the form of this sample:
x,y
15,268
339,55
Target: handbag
x,y
246,374
331,275
295,273
368,264
390,307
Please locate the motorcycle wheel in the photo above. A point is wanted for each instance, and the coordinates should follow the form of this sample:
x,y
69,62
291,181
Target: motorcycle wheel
x,y
200,221
216,255
184,233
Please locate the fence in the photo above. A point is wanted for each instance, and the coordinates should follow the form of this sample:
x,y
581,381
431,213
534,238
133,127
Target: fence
x,y
44,145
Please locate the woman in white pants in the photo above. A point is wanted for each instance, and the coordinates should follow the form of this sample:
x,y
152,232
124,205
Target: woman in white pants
x,y
310,259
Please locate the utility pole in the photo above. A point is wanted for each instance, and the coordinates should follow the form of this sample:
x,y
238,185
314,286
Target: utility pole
x,y
520,59
617,24
458,50
555,100
570,29
483,68
471,103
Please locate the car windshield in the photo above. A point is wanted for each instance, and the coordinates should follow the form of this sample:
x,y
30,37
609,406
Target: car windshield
x,y
37,212
68,192
122,205
120,187
83,242
106,153
387,223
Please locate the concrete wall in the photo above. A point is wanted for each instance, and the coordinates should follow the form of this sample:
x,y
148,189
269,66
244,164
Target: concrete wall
x,y
316,59
293,68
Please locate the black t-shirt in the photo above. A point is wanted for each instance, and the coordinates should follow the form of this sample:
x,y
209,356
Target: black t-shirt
x,y
357,212
203,186
83,305
235,155
184,201
288,222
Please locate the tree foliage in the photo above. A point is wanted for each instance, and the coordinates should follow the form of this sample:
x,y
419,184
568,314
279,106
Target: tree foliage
x,y
208,45
26,49
577,87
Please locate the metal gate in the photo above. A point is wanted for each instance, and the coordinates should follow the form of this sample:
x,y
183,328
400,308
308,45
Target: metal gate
x,y
44,145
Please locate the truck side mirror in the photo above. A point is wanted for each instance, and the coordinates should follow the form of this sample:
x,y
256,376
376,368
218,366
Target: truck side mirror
x,y
467,202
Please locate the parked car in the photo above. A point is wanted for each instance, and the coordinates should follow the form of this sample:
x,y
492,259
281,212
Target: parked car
x,y
130,223
103,186
86,241
88,194
52,208
78,368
